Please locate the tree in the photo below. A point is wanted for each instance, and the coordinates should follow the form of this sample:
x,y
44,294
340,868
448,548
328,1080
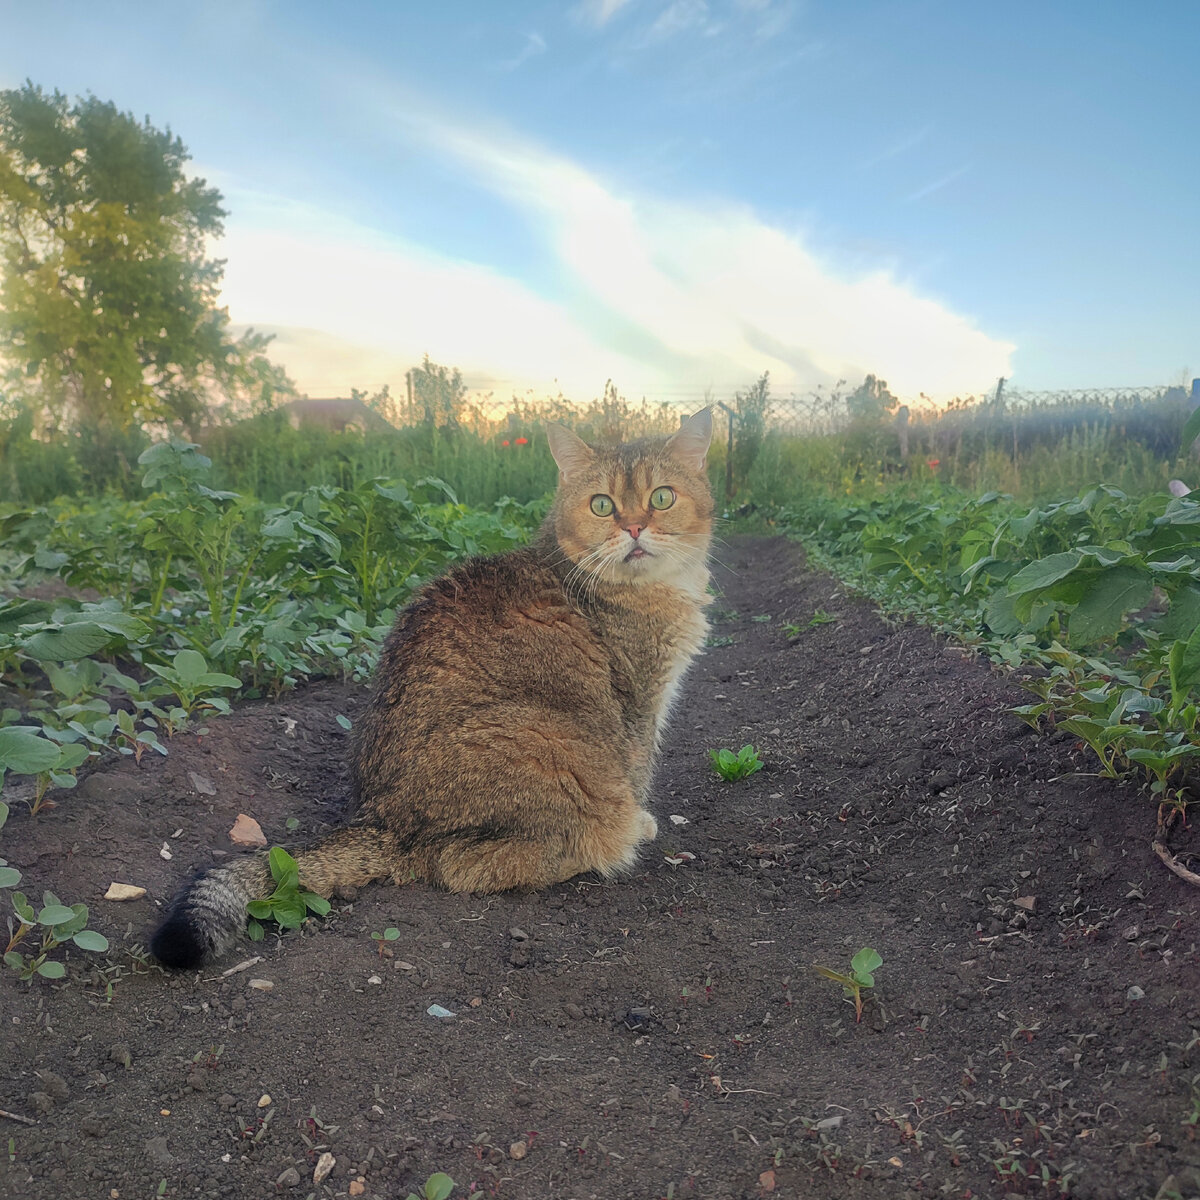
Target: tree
x,y
108,303
871,401
436,395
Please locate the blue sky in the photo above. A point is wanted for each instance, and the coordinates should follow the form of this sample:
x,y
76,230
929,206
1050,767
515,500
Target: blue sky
x,y
679,194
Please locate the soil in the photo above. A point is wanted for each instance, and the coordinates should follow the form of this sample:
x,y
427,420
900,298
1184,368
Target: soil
x,y
1033,1029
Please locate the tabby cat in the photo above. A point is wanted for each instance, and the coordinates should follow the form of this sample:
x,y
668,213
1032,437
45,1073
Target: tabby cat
x,y
511,729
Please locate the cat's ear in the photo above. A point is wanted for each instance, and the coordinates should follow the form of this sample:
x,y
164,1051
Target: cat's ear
x,y
570,451
690,444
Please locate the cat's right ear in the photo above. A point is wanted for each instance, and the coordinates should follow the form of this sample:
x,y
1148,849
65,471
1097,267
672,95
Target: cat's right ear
x,y
570,451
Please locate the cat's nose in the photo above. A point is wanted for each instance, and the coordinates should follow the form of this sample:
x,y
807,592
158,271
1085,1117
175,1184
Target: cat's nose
x,y
634,530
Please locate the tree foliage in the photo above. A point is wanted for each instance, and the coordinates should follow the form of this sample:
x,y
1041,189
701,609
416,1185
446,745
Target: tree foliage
x,y
108,302
871,401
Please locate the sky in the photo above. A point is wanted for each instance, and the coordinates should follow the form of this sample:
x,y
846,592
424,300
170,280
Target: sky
x,y
678,195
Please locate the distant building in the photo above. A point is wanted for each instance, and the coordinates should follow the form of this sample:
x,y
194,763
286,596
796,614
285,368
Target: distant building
x,y
335,414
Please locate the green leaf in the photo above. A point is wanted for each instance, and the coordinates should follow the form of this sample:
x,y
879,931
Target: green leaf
x,y
315,903
391,933
14,960
282,864
438,1186
1101,611
55,914
9,877
289,911
3,813
89,939
190,665
864,965
52,970
344,722
26,752
1043,572
254,931
70,642
1191,431
260,909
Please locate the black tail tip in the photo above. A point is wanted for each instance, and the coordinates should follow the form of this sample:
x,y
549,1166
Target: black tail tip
x,y
177,944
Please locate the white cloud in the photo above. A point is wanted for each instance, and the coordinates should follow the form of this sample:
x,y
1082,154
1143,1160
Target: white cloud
x,y
535,44
666,297
599,12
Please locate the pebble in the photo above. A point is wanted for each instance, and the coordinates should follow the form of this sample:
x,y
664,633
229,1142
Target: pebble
x,y
289,1178
264,1101
518,935
573,1011
374,979
325,1164
518,1150
262,985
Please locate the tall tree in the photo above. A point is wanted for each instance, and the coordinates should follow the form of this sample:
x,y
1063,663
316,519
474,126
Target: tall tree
x,y
108,302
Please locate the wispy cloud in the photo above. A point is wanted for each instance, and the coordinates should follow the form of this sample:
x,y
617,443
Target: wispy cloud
x,y
895,149
664,296
937,185
598,13
534,45
680,16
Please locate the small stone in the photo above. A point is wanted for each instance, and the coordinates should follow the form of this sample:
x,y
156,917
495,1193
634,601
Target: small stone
x,y
124,891
262,985
401,965
518,935
288,1179
573,1011
157,1149
374,979
264,1101
346,892
226,1101
1026,902
247,831
202,784
56,1085
358,1186
1135,993
1132,933
325,1164
197,1081
518,1150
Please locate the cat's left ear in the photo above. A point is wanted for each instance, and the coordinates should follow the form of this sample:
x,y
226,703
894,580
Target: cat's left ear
x,y
690,444
570,451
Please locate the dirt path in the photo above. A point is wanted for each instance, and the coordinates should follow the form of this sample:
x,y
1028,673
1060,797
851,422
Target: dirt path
x,y
665,1035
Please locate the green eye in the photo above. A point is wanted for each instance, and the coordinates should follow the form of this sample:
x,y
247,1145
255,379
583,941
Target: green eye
x,y
662,497
602,506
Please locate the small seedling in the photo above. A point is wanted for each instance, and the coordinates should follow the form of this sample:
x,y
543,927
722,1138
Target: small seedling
x,y
437,1187
59,924
762,619
732,766
716,640
862,976
390,934
820,617
287,905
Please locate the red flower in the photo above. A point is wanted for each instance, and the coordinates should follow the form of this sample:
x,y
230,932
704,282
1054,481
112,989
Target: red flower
x,y
505,442
522,441
933,462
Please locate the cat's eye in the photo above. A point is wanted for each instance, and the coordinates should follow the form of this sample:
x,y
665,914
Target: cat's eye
x,y
602,506
662,497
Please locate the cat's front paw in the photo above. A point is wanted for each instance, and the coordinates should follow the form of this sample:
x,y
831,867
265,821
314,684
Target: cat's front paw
x,y
646,826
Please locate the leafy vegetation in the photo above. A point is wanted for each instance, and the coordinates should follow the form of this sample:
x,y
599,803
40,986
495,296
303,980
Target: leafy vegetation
x,y
288,905
731,766
207,594
860,978
1095,598
108,306
437,1187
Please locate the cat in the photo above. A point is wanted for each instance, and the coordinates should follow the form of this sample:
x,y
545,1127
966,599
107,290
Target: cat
x,y
513,720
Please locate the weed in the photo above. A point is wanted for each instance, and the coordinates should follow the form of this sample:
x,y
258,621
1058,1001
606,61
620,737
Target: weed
x,y
287,905
731,766
58,925
437,1187
715,641
390,934
861,977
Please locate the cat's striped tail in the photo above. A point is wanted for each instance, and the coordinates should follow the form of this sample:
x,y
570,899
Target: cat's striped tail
x,y
208,915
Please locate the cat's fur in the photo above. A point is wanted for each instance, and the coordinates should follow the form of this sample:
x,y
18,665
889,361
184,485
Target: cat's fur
x,y
517,706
